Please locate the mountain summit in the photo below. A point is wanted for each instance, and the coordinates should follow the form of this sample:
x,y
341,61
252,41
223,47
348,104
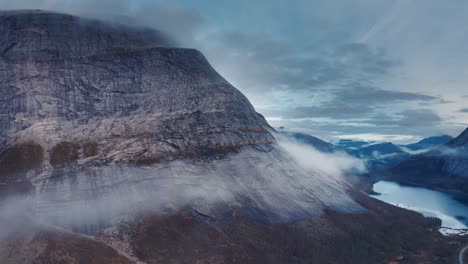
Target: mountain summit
x,y
461,141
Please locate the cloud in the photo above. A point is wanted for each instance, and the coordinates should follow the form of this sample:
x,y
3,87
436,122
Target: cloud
x,y
386,20
173,19
288,182
329,110
371,95
13,211
399,126
412,118
264,63
463,110
332,164
419,117
379,137
354,102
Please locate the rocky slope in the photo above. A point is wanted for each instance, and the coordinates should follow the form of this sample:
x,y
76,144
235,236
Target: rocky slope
x,y
106,130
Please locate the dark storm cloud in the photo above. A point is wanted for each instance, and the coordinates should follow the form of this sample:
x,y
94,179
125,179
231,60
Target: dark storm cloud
x,y
354,102
369,61
419,117
271,64
338,111
261,47
358,94
412,118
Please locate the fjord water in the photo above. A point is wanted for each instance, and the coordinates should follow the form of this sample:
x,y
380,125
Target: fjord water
x,y
428,202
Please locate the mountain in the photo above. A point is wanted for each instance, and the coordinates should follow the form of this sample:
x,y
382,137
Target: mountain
x,y
116,147
376,155
460,142
376,150
315,142
444,167
430,142
107,121
380,156
351,144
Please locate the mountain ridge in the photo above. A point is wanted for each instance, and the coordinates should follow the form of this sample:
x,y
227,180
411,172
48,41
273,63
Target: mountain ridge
x,y
444,168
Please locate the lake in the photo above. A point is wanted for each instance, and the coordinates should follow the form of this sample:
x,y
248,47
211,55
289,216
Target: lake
x,y
453,213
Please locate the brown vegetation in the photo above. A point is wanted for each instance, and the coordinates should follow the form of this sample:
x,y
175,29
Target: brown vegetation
x,y
90,149
383,234
34,244
64,153
21,158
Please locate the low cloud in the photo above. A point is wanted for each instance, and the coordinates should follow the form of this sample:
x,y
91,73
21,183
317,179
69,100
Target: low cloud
x,y
174,20
379,137
14,215
283,184
335,164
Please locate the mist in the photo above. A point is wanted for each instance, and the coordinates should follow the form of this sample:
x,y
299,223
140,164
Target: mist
x,y
335,164
14,215
282,184
175,21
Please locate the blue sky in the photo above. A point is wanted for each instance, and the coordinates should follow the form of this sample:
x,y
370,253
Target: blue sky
x,y
369,69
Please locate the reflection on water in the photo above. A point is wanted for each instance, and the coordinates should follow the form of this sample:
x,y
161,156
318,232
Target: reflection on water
x,y
428,202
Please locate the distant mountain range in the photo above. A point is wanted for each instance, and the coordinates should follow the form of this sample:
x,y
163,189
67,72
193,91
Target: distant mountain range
x,y
438,162
444,168
315,142
378,155
429,142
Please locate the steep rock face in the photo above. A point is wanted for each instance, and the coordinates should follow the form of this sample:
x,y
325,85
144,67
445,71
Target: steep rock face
x,y
103,102
42,35
113,83
157,94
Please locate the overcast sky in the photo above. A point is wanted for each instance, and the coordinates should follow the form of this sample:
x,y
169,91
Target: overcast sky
x,y
369,69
